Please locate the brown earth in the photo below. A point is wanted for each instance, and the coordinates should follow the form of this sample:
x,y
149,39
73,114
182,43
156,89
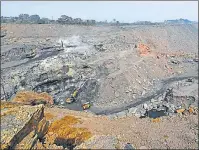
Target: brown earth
x,y
179,132
62,128
33,98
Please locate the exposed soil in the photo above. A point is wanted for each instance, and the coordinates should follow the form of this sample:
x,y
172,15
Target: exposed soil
x,y
179,132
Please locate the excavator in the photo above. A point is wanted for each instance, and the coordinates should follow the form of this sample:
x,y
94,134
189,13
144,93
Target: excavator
x,y
72,99
86,105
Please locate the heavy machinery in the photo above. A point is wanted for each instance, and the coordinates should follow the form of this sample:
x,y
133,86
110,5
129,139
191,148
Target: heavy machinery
x,y
72,98
31,54
86,105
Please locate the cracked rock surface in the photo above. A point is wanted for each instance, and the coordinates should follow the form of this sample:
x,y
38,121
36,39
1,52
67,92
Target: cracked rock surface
x,y
17,121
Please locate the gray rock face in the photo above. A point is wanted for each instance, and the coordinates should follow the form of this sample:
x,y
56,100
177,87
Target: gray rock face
x,y
142,112
132,110
145,106
121,114
50,71
103,61
153,100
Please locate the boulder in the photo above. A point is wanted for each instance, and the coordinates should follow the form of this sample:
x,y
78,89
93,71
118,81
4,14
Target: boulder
x,y
145,106
19,123
42,128
121,114
132,110
28,142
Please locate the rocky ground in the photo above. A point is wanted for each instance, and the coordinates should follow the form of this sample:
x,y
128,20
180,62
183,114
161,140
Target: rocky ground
x,y
144,71
112,66
42,127
19,121
174,132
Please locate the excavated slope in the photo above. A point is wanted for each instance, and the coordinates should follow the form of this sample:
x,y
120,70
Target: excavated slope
x,y
112,66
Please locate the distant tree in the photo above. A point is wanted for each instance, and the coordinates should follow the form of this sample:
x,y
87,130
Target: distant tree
x,y
44,21
24,16
65,19
10,20
93,22
89,22
34,18
77,21
41,21
3,20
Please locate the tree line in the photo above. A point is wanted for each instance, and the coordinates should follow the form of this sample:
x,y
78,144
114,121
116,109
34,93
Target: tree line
x,y
63,19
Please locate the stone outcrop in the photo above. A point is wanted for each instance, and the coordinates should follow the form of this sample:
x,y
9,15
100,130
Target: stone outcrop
x,y
33,98
20,125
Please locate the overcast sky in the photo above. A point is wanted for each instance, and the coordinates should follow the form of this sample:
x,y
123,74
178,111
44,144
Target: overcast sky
x,y
124,11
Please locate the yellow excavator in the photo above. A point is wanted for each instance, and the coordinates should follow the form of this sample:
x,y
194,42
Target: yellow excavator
x,y
86,105
74,94
72,98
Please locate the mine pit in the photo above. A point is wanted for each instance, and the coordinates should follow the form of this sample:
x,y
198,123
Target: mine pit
x,y
104,74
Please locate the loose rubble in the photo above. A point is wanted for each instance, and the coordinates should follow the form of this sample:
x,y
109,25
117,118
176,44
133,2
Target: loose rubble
x,y
168,103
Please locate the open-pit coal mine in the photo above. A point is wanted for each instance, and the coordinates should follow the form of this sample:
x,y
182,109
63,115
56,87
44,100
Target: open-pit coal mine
x,y
114,70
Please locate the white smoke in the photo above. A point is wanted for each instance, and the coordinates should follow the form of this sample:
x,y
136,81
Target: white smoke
x,y
71,41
